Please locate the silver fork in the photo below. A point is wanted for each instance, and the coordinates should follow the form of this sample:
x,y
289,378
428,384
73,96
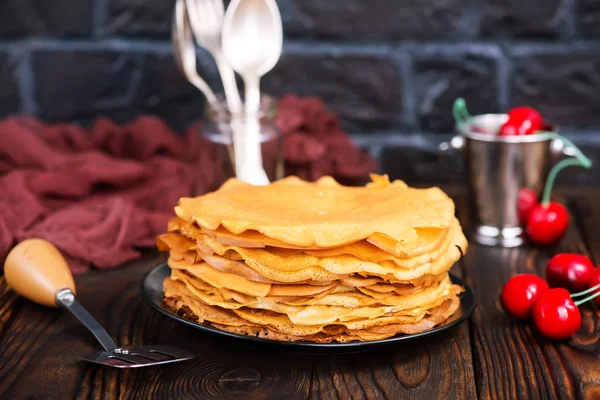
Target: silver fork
x,y
206,19
185,53
36,270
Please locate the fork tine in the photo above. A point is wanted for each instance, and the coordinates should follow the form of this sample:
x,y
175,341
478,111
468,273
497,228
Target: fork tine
x,y
201,9
214,11
170,351
153,355
140,356
211,9
192,12
196,18
219,8
133,358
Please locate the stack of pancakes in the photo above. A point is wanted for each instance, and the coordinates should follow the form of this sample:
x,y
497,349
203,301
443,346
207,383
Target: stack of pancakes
x,y
319,262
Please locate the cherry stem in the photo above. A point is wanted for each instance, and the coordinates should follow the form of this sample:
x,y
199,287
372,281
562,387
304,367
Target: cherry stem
x,y
460,112
578,302
590,290
579,160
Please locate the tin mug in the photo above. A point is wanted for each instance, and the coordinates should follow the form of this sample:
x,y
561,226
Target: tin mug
x,y
497,169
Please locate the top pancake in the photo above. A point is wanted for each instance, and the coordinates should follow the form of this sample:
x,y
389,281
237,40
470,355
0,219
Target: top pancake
x,y
323,214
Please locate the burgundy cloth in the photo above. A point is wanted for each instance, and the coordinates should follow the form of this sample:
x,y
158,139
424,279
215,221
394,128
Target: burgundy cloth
x,y
100,194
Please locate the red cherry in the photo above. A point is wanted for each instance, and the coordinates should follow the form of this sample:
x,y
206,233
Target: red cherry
x,y
594,281
522,121
510,128
527,199
555,314
547,225
520,292
570,271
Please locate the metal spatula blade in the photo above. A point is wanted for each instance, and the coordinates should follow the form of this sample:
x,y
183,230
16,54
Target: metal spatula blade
x,y
139,356
36,270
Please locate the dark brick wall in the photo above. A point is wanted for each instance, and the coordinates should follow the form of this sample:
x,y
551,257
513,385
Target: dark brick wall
x,y
391,68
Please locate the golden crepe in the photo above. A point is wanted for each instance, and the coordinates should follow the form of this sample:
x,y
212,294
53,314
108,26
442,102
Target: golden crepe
x,y
318,262
324,214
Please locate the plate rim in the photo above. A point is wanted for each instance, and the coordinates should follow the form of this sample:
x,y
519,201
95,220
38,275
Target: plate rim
x,y
468,293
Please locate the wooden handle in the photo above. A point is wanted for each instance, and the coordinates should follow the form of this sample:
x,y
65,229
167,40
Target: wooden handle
x,y
36,270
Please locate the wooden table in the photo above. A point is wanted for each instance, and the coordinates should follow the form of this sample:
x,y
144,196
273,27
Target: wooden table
x,y
490,356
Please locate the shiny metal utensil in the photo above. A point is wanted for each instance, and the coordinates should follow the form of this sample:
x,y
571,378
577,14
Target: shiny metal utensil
x,y
252,44
35,269
185,53
497,169
206,19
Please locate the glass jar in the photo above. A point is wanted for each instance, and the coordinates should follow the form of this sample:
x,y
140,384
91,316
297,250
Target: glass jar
x,y
218,132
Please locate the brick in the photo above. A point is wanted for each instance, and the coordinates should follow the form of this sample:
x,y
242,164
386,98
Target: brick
x,y
373,18
365,89
139,17
43,17
564,85
443,75
418,166
166,93
9,96
588,17
530,18
83,84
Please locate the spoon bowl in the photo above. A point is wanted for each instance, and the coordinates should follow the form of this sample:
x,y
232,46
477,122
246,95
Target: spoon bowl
x,y
252,36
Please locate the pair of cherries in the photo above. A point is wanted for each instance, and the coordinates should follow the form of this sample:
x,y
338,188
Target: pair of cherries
x,y
554,311
545,222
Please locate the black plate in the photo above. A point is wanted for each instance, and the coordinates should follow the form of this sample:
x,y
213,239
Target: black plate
x,y
152,291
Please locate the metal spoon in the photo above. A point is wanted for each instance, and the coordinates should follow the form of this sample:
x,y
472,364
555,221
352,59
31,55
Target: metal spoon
x,y
252,41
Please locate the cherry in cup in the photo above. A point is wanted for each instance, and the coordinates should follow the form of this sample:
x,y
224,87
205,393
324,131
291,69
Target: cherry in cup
x,y
522,121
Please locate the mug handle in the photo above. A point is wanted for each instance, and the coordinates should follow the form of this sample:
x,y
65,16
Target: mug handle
x,y
562,146
575,158
559,147
457,143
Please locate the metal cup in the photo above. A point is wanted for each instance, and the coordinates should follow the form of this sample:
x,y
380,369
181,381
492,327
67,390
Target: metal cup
x,y
498,168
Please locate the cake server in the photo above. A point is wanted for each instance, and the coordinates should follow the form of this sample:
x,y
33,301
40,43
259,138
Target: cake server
x,y
36,270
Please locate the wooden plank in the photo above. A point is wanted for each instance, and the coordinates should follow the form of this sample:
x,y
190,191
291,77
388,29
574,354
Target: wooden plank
x,y
40,350
511,359
436,367
9,307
